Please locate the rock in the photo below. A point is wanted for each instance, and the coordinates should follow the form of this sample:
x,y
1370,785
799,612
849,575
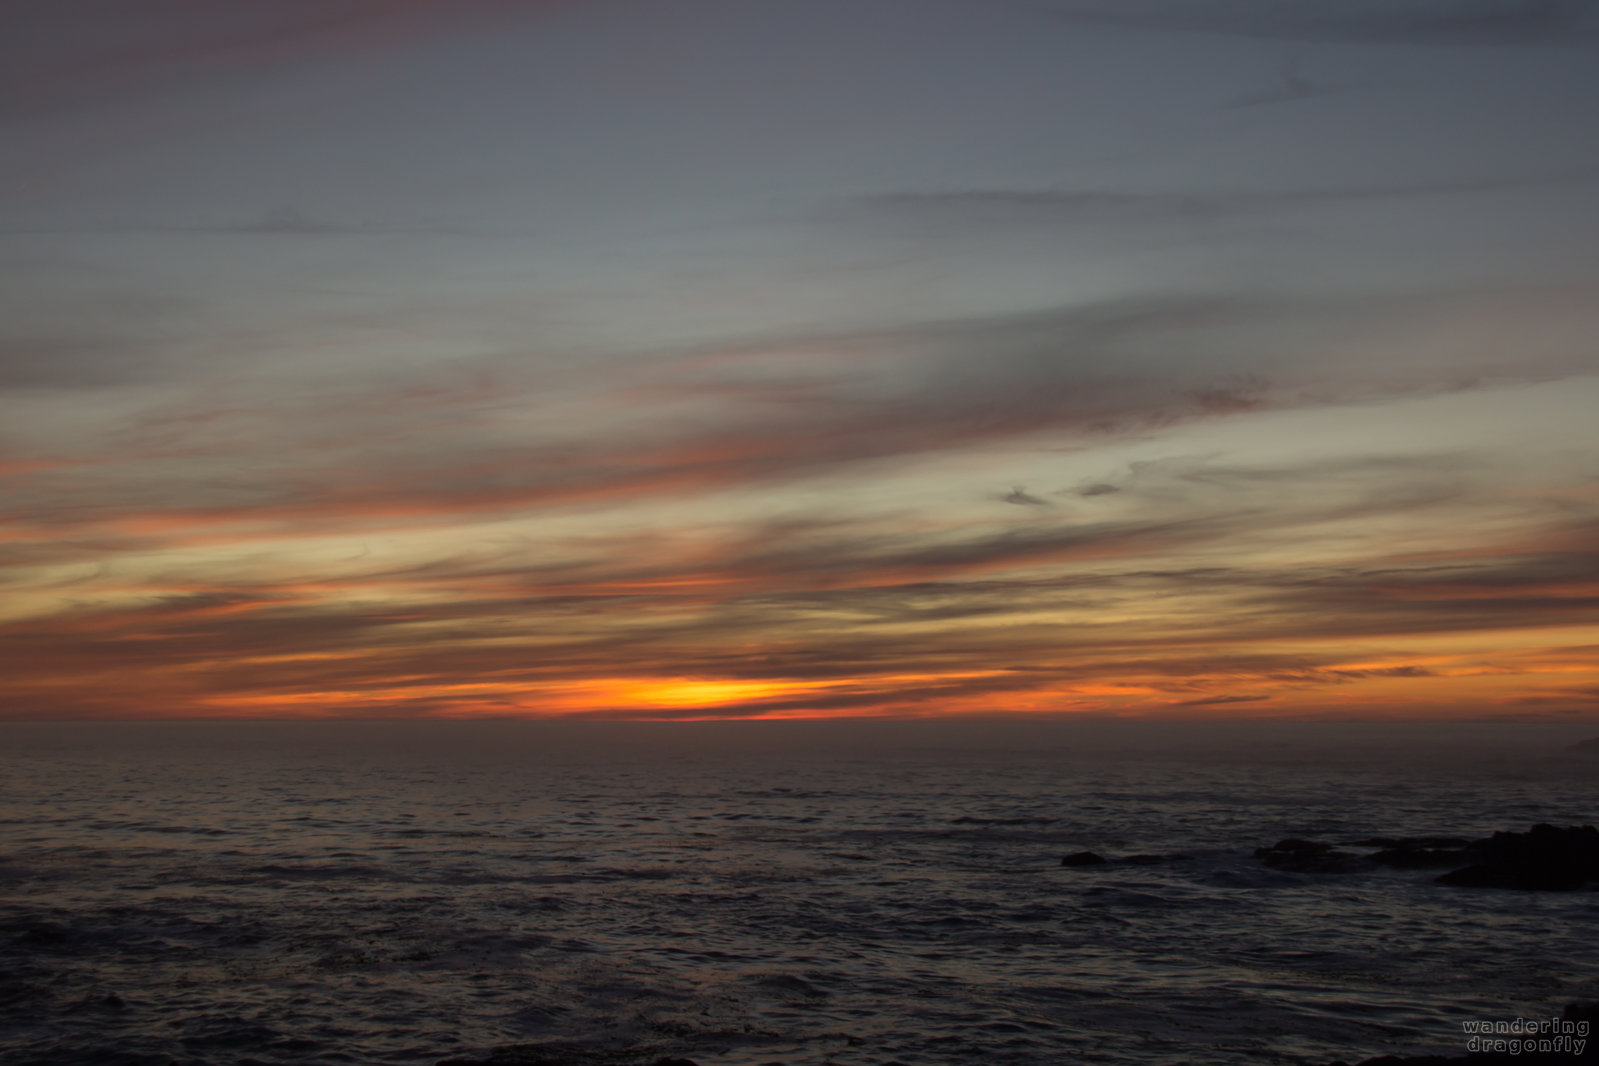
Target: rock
x,y
1388,843
1543,859
1083,858
1586,747
45,935
1415,852
1420,852
1309,857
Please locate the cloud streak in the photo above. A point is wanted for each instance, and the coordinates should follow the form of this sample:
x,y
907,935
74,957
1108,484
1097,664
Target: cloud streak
x,y
101,49
816,618
1465,23
991,208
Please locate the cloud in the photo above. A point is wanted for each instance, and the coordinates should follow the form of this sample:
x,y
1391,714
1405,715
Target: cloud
x,y
1220,701
829,615
1387,671
1458,23
670,430
102,50
277,222
352,457
934,211
80,326
1583,696
614,466
1290,88
81,362
1021,496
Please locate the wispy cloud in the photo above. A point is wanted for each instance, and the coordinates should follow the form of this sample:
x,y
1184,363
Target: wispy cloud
x,y
973,208
1458,23
815,616
1022,497
687,423
101,49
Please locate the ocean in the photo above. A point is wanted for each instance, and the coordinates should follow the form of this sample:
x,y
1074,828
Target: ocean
x,y
860,894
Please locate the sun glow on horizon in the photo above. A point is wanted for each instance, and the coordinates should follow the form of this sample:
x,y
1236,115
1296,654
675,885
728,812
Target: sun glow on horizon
x,y
725,387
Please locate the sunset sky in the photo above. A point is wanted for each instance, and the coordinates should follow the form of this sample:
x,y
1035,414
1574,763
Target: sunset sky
x,y
785,358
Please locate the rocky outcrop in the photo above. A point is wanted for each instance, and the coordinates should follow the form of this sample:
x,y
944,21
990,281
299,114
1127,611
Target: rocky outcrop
x,y
1544,859
1412,853
1309,857
1083,858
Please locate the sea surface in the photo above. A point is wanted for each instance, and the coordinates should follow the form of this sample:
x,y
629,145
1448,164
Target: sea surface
x,y
754,893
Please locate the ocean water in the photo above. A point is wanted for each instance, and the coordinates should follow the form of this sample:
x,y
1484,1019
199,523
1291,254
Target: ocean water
x,y
866,894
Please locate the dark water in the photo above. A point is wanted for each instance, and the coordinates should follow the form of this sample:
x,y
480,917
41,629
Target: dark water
x,y
381,893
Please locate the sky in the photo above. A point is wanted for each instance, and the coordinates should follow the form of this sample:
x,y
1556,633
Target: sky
x,y
799,358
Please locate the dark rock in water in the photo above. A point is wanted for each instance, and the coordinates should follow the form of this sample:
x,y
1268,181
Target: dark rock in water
x,y
1417,858
44,934
566,1055
1309,857
789,985
1415,852
1582,1018
1544,859
1423,852
1402,843
1586,747
1083,858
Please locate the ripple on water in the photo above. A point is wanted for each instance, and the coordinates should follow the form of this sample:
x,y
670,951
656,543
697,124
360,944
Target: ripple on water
x,y
789,912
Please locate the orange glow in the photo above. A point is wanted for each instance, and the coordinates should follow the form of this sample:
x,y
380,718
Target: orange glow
x,y
721,618
685,692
